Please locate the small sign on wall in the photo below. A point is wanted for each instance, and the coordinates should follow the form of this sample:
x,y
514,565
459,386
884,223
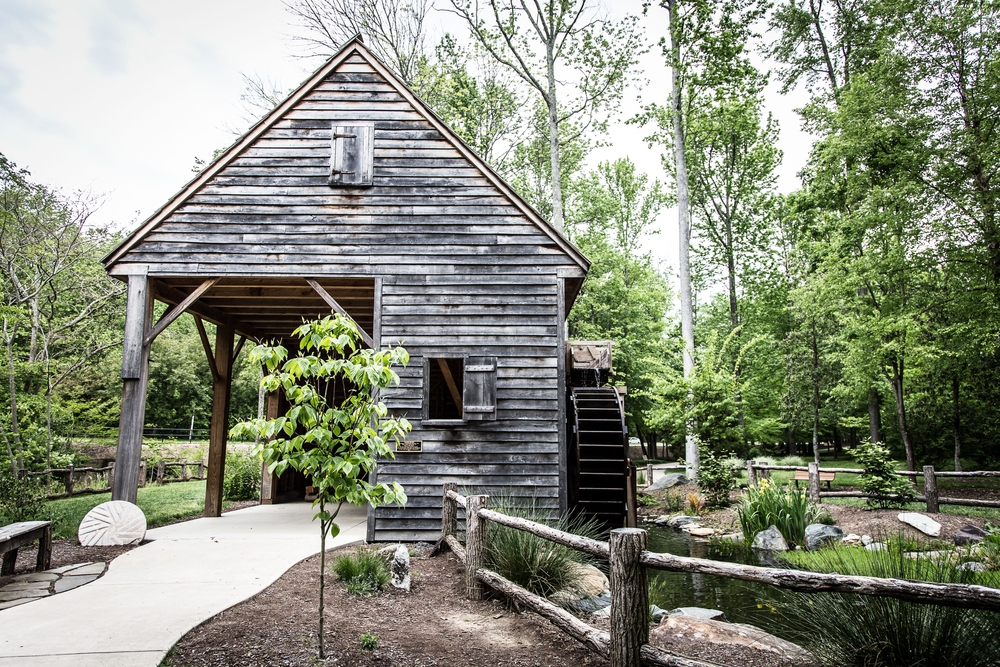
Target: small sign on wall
x,y
410,446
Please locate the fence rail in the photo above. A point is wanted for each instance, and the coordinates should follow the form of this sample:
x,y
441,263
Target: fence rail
x,y
930,496
70,474
627,644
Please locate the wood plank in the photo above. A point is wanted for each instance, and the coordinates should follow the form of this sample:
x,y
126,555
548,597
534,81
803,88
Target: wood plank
x,y
179,309
339,309
219,424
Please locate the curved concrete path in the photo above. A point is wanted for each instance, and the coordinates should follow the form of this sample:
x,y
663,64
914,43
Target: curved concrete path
x,y
153,595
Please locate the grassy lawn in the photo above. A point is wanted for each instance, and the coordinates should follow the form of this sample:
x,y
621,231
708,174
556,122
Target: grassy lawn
x,y
991,513
161,504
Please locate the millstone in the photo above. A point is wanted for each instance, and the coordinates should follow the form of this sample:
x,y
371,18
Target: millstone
x,y
113,523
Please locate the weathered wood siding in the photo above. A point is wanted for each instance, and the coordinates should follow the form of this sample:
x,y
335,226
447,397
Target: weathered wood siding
x,y
463,272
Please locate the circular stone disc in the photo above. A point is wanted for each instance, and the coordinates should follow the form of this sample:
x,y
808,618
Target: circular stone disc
x,y
113,523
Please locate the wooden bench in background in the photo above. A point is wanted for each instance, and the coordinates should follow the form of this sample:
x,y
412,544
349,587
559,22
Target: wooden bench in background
x,y
823,477
17,535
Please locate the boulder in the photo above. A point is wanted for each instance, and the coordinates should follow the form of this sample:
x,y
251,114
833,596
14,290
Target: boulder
x,y
736,537
972,566
699,612
668,481
657,614
113,523
921,522
850,540
661,520
683,628
969,535
592,605
701,532
866,540
681,520
770,540
818,534
399,567
590,582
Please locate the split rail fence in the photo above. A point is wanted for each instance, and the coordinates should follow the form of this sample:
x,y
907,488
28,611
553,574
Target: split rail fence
x,y
627,643
930,496
70,476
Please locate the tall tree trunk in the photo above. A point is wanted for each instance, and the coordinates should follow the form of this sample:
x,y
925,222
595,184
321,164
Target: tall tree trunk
x,y
815,392
554,157
322,575
790,442
897,390
684,229
15,433
956,423
874,416
838,443
734,322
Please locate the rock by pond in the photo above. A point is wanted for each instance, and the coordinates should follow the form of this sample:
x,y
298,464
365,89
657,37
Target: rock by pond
x,y
770,540
921,522
969,535
668,481
819,534
700,612
681,520
682,627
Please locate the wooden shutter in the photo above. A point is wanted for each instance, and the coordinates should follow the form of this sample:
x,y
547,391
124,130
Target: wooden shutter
x,y
480,392
352,154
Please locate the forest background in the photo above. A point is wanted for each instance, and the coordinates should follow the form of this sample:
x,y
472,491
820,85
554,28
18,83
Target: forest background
x,y
865,304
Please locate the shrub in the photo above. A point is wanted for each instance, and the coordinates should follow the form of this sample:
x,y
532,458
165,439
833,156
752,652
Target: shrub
x,y
791,461
768,505
866,631
20,499
695,502
363,572
674,501
715,478
885,489
541,566
369,642
242,476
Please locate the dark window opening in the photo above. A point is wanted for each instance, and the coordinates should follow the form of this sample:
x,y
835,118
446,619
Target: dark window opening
x,y
445,381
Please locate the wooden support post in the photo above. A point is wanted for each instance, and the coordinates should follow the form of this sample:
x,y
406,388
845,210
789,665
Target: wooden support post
x,y
184,471
931,490
629,597
201,470
269,481
449,511
69,480
44,558
631,497
219,428
814,482
476,529
161,471
135,377
763,473
751,474
649,474
142,473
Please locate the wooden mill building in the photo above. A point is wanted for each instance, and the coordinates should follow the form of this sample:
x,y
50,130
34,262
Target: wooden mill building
x,y
353,195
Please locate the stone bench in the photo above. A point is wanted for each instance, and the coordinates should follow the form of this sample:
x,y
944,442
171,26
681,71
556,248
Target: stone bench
x,y
17,535
803,475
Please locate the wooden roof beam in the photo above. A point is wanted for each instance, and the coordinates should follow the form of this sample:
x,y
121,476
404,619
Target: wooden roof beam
x,y
173,296
179,309
330,301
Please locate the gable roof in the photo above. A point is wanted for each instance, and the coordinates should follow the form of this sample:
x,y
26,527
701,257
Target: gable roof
x,y
351,47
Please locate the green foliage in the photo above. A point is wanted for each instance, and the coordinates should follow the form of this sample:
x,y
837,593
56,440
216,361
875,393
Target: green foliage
x,y
768,505
21,499
533,562
866,631
715,478
879,480
363,572
369,641
243,472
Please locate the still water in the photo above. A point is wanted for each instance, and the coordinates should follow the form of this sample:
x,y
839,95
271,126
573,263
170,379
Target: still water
x,y
738,599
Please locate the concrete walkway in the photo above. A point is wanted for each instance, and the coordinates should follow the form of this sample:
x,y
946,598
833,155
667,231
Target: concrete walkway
x,y
153,595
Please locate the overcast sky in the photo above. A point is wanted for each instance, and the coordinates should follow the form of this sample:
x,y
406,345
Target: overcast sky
x,y
120,96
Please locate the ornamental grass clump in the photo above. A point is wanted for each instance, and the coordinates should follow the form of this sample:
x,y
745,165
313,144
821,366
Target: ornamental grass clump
x,y
533,562
872,631
768,505
363,572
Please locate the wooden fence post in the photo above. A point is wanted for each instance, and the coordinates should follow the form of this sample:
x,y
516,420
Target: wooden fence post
x,y
631,497
476,529
201,470
629,597
649,474
814,482
931,490
69,479
111,476
449,511
762,473
142,472
161,470
184,470
751,474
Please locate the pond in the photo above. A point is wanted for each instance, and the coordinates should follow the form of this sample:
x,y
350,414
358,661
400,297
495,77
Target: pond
x,y
738,599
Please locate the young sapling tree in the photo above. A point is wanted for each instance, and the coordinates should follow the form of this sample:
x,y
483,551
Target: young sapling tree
x,y
336,445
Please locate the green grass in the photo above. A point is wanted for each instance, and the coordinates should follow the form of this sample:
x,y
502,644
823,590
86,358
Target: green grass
x,y
363,572
160,504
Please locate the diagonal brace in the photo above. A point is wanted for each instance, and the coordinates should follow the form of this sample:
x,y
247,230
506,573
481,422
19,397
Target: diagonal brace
x,y
330,301
176,311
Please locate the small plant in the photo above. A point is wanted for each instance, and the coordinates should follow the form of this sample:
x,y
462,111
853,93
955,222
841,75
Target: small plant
x,y
369,642
715,478
674,501
647,500
640,477
885,489
768,505
695,502
363,572
533,562
243,471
